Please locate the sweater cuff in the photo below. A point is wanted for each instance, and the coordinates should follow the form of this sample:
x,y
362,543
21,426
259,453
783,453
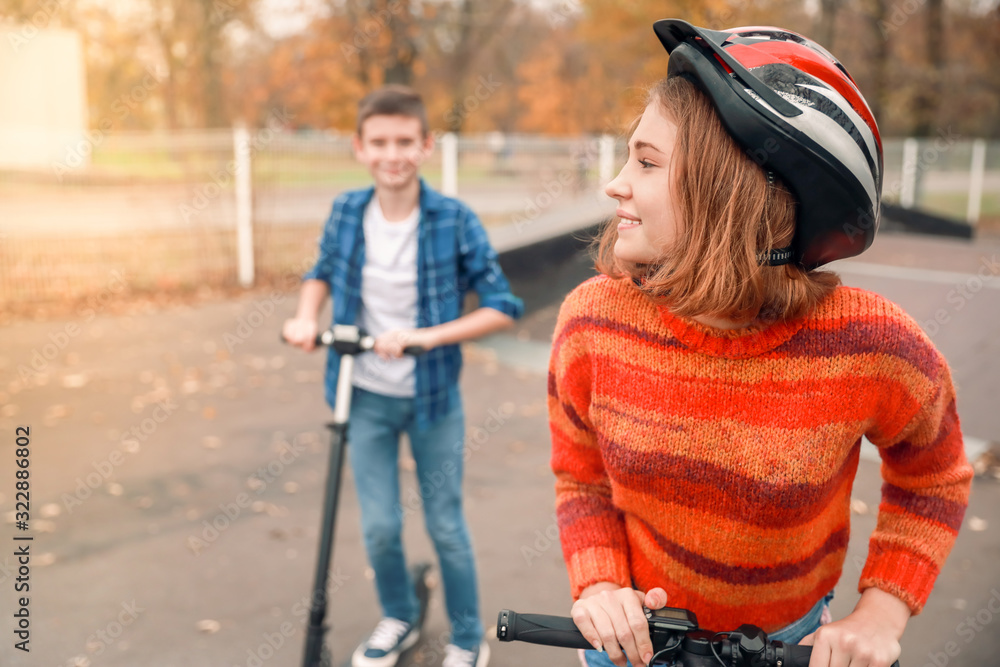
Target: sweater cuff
x,y
907,575
589,566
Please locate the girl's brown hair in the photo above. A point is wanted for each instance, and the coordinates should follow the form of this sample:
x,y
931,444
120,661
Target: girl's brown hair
x,y
728,214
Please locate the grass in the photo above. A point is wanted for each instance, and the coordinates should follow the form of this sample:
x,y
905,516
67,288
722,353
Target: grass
x,y
954,204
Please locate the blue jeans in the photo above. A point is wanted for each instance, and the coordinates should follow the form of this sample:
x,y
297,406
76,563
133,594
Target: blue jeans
x,y
373,432
790,634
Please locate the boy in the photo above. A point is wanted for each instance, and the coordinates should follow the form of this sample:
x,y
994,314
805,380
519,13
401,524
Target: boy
x,y
399,258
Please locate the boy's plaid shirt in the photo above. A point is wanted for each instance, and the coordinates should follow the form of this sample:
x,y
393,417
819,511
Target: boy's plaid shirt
x,y
454,255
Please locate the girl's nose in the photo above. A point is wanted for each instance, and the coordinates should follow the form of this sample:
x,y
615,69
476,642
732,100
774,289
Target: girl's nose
x,y
617,188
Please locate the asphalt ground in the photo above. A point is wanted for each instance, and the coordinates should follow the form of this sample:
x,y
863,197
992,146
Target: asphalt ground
x,y
178,456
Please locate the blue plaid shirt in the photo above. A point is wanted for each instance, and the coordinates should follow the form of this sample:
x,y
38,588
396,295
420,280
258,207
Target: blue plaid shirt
x,y
453,255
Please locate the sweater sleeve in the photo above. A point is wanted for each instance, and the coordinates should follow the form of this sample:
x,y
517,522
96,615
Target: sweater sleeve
x,y
926,475
591,528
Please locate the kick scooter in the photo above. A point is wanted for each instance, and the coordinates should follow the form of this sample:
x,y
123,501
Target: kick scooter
x,y
348,341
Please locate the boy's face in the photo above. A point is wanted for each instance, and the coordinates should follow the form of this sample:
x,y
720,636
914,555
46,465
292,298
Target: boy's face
x,y
393,148
644,190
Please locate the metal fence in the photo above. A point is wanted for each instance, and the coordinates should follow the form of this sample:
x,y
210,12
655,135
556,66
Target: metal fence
x,y
159,211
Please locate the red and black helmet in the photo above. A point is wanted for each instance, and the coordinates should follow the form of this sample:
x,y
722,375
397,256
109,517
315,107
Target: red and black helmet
x,y
797,112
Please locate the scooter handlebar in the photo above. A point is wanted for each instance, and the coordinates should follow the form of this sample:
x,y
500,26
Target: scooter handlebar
x,y
348,339
746,646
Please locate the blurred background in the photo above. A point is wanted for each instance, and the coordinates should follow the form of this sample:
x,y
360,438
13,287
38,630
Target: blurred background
x,y
218,131
166,167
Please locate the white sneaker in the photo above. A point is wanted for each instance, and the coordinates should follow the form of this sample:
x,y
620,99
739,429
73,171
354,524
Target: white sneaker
x,y
388,640
459,657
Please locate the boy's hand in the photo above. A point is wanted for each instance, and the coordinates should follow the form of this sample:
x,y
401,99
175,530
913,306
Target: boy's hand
x,y
301,332
390,345
612,618
868,637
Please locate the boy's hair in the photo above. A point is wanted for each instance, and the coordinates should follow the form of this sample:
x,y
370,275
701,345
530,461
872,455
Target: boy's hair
x,y
727,215
393,100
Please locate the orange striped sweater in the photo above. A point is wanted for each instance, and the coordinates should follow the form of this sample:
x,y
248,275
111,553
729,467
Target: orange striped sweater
x,y
719,464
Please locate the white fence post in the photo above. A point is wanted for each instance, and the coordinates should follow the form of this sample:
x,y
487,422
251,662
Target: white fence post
x,y
908,190
449,164
244,205
605,161
976,181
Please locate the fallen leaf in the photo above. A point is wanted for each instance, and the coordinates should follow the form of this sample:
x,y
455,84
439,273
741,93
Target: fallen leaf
x,y
57,411
50,510
75,381
209,626
274,510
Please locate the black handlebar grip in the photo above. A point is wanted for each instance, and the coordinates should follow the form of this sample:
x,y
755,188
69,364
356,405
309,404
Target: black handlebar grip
x,y
540,629
413,349
798,656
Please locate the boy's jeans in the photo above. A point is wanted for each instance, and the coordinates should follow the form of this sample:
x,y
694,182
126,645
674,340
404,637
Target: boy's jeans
x,y
376,423
790,634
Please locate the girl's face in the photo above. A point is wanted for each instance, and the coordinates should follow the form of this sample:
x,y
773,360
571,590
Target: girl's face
x,y
644,190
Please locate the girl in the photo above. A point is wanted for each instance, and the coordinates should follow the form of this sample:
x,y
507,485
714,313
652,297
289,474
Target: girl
x,y
709,392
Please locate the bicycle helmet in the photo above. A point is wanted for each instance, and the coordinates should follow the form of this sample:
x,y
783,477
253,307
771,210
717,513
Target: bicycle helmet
x,y
796,111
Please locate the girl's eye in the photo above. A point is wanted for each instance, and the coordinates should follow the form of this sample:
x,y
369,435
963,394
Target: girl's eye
x,y
646,164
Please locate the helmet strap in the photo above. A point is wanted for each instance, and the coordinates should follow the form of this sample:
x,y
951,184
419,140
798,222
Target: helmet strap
x,y
776,256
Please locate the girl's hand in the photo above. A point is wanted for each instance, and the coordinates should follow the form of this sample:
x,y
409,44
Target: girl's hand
x,y
868,637
390,345
612,619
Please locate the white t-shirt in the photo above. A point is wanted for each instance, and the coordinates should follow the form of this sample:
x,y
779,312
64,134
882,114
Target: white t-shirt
x,y
388,298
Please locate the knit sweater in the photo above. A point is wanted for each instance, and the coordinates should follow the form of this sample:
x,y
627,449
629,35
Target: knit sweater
x,y
718,464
